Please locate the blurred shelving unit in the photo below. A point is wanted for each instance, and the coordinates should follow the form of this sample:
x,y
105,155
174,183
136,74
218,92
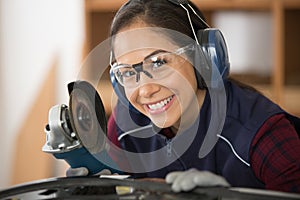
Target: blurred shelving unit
x,y
283,83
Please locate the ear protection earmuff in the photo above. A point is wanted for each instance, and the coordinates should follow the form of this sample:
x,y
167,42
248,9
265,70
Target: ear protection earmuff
x,y
213,46
120,92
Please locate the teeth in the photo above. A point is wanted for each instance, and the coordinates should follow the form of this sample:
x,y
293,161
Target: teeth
x,y
160,104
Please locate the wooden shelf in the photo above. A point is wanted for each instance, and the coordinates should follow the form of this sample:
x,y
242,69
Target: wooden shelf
x,y
233,4
291,4
113,5
291,97
104,5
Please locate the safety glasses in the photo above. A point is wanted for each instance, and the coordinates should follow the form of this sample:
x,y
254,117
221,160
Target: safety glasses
x,y
157,66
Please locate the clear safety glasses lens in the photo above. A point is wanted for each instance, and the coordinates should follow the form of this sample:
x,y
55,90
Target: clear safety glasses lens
x,y
155,67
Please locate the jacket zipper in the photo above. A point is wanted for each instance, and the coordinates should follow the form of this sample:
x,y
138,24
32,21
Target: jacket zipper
x,y
169,152
169,147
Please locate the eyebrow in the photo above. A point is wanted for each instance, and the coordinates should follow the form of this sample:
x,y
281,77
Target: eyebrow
x,y
155,52
151,54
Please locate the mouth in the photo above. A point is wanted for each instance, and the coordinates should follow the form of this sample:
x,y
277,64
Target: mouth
x,y
160,106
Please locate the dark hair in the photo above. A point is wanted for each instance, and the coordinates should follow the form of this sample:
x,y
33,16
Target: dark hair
x,y
157,13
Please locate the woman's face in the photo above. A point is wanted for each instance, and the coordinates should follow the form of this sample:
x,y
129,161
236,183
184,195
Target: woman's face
x,y
171,101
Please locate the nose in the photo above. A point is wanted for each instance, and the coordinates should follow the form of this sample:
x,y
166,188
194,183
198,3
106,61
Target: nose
x,y
148,90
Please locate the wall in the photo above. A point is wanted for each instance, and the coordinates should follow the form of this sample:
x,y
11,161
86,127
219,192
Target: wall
x,y
38,39
249,40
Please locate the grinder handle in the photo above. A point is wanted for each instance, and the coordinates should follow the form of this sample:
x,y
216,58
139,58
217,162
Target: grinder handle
x,y
82,158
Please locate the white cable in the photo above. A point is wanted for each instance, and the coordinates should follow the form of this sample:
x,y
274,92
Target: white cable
x,y
234,152
134,130
190,20
198,16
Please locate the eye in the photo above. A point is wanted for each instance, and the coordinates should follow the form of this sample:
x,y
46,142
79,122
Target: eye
x,y
128,73
158,61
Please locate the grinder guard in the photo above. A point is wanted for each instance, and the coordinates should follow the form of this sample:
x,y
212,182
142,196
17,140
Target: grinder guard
x,y
77,133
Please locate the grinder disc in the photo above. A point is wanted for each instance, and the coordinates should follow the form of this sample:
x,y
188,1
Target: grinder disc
x,y
87,116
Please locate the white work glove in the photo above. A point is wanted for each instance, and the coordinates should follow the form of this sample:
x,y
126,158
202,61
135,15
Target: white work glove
x,y
188,180
82,171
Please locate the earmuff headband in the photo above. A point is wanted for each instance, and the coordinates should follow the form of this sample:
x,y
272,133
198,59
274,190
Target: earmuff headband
x,y
186,2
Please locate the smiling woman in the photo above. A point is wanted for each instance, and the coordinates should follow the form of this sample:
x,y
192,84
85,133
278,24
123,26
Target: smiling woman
x,y
180,117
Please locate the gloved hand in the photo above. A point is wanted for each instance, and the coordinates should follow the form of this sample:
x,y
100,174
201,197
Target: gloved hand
x,y
82,171
188,180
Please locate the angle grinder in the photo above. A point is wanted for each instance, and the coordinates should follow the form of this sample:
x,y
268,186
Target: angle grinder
x,y
77,133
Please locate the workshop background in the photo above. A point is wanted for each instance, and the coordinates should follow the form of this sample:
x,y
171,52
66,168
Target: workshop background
x,y
43,44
